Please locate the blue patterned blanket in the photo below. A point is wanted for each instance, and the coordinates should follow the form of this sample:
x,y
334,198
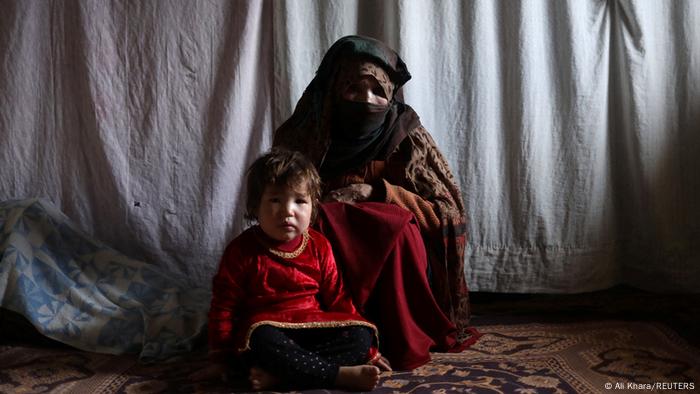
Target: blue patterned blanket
x,y
79,291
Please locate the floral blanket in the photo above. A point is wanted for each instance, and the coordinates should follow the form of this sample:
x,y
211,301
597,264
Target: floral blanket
x,y
81,292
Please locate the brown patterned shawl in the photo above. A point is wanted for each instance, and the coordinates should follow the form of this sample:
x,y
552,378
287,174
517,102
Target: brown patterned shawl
x,y
407,170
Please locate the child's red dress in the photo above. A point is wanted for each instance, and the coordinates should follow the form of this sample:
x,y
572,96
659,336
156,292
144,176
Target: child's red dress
x,y
255,286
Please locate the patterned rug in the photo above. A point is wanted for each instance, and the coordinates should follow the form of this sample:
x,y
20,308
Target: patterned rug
x,y
574,357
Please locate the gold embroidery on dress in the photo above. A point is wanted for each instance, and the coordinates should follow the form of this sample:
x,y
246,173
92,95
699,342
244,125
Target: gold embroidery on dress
x,y
294,253
316,324
286,255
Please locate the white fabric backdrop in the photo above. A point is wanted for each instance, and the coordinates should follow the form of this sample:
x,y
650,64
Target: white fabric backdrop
x,y
573,127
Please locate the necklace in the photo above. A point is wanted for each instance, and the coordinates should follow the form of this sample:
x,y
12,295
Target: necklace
x,y
294,253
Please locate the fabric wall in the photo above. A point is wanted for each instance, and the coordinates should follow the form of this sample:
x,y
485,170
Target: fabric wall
x,y
137,118
573,127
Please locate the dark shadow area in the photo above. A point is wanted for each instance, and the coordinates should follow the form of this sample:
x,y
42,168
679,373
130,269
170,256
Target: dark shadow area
x,y
681,312
15,329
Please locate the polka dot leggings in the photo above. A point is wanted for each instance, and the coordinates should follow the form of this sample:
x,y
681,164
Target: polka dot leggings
x,y
308,358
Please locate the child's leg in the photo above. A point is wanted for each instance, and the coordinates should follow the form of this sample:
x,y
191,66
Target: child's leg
x,y
277,354
347,347
343,345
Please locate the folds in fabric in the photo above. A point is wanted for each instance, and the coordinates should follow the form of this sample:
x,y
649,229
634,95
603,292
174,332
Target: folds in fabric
x,y
380,251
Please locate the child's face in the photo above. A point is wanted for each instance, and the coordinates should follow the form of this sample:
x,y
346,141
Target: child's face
x,y
285,212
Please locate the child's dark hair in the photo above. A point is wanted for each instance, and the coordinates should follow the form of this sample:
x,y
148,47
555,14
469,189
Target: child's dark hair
x,y
281,167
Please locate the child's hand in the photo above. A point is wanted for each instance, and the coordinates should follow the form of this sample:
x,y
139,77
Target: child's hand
x,y
380,362
210,372
383,364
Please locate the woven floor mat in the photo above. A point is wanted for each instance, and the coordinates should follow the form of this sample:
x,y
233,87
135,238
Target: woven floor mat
x,y
574,357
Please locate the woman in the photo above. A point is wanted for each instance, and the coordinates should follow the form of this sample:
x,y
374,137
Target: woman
x,y
405,220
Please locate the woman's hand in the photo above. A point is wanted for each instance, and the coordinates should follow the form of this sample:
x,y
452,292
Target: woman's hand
x,y
357,192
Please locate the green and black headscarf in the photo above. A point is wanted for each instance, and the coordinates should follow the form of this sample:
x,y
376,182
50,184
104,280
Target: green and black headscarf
x,y
341,136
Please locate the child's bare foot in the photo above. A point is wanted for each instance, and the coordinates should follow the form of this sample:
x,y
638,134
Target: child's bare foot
x,y
357,377
261,379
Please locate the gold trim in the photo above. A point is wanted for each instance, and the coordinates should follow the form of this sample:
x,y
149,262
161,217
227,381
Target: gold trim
x,y
317,324
293,254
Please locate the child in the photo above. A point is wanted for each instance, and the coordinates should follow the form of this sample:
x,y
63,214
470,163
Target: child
x,y
278,298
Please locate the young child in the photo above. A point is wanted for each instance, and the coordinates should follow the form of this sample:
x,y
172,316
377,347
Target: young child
x,y
278,298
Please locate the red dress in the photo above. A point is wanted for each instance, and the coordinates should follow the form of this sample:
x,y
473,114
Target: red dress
x,y
381,253
255,287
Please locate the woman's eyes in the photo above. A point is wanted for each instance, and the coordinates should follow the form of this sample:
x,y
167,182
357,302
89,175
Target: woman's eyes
x,y
361,88
302,201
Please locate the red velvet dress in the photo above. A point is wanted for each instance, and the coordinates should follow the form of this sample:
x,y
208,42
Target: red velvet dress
x,y
255,287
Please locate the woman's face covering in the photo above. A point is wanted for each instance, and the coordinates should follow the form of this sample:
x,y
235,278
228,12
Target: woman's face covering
x,y
364,82
363,98
365,89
